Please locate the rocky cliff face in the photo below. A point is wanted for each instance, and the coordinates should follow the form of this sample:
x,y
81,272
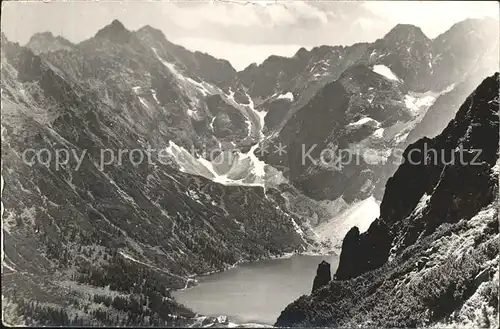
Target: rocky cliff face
x,y
323,276
350,114
46,42
432,256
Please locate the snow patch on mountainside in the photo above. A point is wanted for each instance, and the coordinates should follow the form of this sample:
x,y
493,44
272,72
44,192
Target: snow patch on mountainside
x,y
287,96
248,162
153,93
364,121
204,88
385,71
370,153
416,103
253,117
170,66
260,115
360,214
258,165
249,127
379,133
230,97
211,124
188,163
143,102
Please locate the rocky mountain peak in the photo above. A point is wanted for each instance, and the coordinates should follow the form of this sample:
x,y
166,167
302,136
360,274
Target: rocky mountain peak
x,y
323,276
115,32
468,31
251,66
472,24
301,53
46,34
45,42
460,48
4,38
150,31
117,24
405,33
195,64
324,50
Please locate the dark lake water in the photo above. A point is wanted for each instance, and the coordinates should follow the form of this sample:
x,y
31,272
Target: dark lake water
x,y
254,292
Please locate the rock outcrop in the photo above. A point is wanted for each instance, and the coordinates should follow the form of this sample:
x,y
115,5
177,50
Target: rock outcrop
x,y
323,276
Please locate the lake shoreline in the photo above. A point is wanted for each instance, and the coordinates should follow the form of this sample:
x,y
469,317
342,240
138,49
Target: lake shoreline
x,y
192,277
255,291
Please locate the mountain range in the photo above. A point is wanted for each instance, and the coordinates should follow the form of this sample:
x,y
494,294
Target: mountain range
x,y
92,241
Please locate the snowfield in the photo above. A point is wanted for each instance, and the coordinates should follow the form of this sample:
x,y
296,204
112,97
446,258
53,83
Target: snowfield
x,y
415,103
287,96
238,164
419,103
386,72
364,121
360,214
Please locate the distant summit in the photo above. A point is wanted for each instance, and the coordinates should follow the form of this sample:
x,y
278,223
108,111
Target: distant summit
x,y
46,42
115,32
403,33
302,52
152,32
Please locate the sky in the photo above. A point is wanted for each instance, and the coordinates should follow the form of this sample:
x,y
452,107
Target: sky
x,y
242,32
